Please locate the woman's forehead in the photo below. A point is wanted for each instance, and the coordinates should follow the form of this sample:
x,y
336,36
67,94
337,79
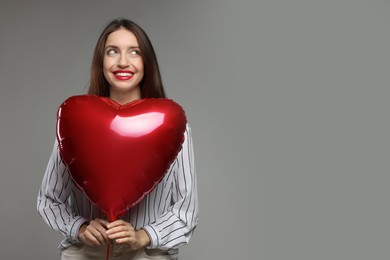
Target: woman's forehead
x,y
122,38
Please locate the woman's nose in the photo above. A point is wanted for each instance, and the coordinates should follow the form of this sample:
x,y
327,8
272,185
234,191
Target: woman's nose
x,y
123,61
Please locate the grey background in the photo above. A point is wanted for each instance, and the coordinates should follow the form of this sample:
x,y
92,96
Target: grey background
x,y
288,101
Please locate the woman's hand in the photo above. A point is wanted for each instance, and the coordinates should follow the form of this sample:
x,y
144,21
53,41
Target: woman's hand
x,y
122,232
94,233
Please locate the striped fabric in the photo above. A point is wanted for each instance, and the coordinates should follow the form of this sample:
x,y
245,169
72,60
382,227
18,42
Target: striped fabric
x,y
169,213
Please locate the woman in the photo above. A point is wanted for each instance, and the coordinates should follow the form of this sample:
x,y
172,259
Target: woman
x,y
125,69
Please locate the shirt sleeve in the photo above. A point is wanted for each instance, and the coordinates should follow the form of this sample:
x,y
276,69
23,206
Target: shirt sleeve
x,y
176,226
53,195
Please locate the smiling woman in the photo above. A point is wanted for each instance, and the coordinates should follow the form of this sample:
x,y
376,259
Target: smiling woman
x,y
139,45
124,69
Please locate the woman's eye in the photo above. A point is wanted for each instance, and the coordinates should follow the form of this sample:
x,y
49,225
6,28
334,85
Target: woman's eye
x,y
135,52
111,52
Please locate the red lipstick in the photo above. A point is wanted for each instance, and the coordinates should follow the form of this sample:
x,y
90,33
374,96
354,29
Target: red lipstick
x,y
123,74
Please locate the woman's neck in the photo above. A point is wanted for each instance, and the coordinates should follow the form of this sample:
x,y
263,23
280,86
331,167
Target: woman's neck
x,y
124,98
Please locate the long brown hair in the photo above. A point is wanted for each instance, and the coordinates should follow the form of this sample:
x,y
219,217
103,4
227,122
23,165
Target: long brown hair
x,y
151,84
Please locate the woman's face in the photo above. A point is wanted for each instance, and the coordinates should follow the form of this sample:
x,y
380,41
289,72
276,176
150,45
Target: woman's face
x,y
123,67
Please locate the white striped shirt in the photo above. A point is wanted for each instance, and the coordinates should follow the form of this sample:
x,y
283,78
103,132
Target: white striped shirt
x,y
169,213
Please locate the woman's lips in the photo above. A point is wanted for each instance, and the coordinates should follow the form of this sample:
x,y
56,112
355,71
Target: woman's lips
x,y
123,74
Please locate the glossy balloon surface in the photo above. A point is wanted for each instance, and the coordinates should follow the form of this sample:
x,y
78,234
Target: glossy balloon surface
x,y
118,153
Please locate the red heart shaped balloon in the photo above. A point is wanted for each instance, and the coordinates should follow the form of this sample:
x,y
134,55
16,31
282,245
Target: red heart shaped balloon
x,y
118,153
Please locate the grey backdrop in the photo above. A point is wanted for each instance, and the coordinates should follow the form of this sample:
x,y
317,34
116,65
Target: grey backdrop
x,y
288,101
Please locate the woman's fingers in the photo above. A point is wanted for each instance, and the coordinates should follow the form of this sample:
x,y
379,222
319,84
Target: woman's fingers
x,y
121,232
118,223
95,233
